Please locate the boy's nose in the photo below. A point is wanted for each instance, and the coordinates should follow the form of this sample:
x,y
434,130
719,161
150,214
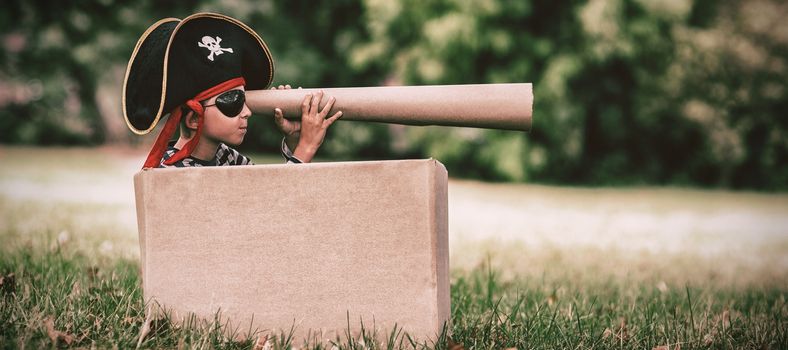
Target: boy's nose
x,y
245,112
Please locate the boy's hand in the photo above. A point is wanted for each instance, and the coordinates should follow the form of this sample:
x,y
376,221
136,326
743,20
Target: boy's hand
x,y
290,128
314,125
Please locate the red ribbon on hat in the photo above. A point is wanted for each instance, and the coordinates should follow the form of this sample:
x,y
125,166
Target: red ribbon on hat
x,y
154,157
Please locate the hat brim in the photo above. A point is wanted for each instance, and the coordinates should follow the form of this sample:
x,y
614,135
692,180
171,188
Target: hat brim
x,y
149,89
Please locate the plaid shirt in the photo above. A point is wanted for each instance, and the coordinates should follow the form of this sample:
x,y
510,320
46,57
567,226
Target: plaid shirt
x,y
225,155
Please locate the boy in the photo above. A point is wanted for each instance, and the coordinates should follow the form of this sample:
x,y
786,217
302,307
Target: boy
x,y
198,69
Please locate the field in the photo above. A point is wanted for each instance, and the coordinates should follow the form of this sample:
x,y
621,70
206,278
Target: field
x,y
533,267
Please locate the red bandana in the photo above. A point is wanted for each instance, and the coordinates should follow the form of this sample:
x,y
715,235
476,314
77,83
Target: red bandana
x,y
154,157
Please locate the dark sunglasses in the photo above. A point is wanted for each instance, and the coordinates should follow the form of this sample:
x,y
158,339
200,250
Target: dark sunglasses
x,y
230,103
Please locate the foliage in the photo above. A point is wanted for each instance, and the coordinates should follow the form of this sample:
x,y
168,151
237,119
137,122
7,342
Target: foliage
x,y
626,91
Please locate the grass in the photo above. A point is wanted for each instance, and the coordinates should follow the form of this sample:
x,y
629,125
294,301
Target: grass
x,y
525,314
70,276
95,301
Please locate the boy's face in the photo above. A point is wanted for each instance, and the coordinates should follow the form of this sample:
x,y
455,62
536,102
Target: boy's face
x,y
220,127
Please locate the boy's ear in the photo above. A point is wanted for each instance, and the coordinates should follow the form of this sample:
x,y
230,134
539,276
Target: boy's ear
x,y
191,120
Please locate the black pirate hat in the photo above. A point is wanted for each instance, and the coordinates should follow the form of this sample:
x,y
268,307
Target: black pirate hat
x,y
177,60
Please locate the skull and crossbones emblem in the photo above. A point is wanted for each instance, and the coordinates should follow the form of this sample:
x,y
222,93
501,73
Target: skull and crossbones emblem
x,y
213,45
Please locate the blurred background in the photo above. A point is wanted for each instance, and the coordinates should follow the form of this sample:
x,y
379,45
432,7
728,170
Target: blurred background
x,y
657,161
627,92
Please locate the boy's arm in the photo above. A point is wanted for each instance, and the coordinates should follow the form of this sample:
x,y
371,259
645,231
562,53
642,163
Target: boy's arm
x,y
290,128
291,141
288,154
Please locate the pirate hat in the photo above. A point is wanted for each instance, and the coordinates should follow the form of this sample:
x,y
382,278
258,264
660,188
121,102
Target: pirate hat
x,y
176,62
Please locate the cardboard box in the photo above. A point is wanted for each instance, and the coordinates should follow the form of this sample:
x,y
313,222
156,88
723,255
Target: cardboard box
x,y
311,245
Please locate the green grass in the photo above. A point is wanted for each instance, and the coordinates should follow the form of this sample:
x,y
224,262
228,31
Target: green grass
x,y
96,301
76,281
610,313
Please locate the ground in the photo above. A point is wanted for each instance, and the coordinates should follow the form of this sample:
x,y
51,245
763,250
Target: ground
x,y
551,266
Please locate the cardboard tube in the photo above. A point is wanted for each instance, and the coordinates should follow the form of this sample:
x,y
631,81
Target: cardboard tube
x,y
491,106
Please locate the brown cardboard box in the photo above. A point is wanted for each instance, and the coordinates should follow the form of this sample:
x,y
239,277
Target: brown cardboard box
x,y
311,245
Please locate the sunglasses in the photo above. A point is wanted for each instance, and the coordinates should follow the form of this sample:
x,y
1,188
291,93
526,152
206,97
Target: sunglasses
x,y
230,103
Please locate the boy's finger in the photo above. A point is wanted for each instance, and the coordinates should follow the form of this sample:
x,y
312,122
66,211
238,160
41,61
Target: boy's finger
x,y
278,117
287,86
328,106
333,118
305,105
316,102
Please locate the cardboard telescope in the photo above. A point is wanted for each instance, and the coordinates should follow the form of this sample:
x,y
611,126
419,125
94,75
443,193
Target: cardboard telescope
x,y
490,106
